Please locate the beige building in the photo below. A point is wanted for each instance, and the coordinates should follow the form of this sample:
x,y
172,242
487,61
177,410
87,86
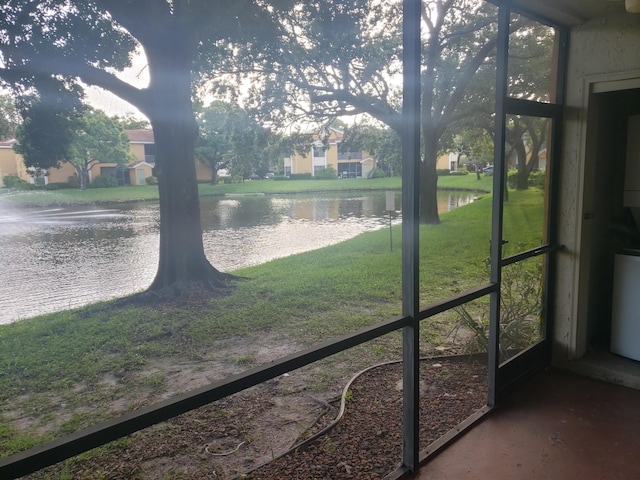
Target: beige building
x,y
346,164
141,145
10,162
320,156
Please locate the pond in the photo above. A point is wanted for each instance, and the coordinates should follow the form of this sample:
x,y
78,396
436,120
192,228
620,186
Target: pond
x,y
59,258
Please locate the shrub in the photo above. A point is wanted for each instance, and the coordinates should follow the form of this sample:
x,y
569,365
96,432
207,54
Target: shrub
x,y
74,181
520,315
536,179
56,186
280,178
104,181
13,181
443,172
461,172
326,173
377,173
151,180
300,176
10,180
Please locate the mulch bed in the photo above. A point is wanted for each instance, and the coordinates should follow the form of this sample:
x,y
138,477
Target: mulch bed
x,y
367,442
364,444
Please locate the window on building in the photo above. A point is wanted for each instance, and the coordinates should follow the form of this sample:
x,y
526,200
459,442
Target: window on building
x,y
349,155
150,153
349,170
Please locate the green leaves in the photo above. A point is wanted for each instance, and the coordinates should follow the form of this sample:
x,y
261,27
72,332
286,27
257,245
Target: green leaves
x,y
60,129
46,134
103,138
49,37
9,118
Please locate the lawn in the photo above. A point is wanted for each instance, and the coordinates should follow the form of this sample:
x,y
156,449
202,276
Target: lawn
x,y
40,197
104,359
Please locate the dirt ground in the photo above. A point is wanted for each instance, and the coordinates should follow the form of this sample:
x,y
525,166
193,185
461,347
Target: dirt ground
x,y
253,434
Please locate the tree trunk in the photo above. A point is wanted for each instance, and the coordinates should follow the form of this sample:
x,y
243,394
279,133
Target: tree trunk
x,y
82,178
182,259
429,180
523,176
213,164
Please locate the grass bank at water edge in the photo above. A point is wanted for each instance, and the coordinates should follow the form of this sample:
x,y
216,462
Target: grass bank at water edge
x,y
150,192
102,355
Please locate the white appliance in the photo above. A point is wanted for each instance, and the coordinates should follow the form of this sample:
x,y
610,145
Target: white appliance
x,y
625,317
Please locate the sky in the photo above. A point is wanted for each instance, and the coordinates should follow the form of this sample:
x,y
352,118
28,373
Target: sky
x,y
110,104
137,75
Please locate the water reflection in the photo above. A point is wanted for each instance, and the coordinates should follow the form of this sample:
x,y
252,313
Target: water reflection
x,y
58,258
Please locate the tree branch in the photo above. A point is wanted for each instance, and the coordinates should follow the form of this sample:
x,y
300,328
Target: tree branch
x,y
39,66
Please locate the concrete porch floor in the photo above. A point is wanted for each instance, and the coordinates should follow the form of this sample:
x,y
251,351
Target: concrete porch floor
x,y
557,426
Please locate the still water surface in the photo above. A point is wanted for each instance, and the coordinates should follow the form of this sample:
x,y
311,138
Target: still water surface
x,y
58,258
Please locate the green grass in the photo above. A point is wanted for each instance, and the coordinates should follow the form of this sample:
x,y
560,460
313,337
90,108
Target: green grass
x,y
293,294
13,441
469,182
150,192
65,357
76,196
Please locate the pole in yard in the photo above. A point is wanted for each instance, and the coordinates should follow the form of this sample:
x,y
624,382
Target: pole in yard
x,y
390,207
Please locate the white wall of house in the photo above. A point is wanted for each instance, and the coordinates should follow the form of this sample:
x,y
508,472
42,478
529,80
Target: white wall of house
x,y
604,52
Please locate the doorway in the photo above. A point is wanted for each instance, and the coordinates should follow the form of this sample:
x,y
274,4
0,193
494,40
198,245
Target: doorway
x,y
140,179
607,225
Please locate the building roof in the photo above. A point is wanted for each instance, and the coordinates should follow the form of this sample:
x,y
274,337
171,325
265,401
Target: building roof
x,y
139,164
141,135
135,136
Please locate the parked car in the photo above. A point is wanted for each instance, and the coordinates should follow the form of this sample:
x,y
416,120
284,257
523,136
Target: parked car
x,y
254,176
488,169
269,176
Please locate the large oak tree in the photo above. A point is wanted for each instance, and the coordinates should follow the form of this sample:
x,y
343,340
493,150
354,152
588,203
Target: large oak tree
x,y
344,58
63,42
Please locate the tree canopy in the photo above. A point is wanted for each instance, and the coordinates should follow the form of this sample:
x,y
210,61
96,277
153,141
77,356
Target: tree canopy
x,y
129,122
230,138
82,137
9,118
344,58
380,141
47,130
